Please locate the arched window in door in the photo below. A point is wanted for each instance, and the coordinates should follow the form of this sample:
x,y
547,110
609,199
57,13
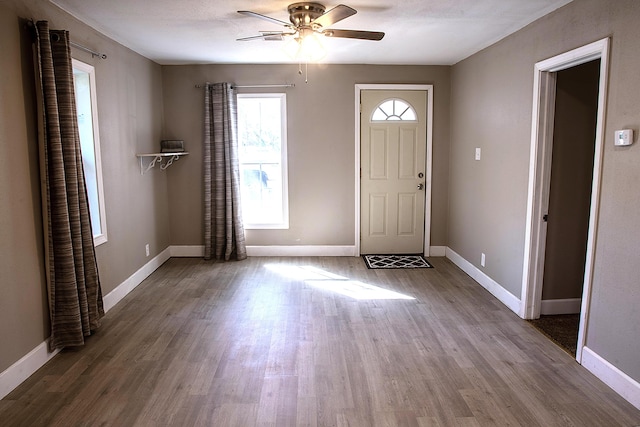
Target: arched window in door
x,y
393,110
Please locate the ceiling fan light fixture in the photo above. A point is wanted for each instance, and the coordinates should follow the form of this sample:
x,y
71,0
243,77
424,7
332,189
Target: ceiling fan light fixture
x,y
311,48
306,48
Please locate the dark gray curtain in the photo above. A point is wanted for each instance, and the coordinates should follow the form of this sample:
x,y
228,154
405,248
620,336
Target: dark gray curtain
x,y
75,297
223,228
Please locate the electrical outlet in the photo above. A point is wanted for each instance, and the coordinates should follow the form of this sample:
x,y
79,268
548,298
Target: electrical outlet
x,y
482,259
478,153
146,249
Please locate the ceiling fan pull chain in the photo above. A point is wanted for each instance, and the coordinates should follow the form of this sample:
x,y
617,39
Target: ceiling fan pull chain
x,y
306,70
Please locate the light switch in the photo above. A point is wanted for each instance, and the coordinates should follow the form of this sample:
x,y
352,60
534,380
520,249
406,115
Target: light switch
x,y
478,153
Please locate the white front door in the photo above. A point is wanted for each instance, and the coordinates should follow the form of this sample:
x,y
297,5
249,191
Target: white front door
x,y
393,171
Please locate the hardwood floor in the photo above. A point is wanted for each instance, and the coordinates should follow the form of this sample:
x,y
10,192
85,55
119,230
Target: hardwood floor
x,y
288,342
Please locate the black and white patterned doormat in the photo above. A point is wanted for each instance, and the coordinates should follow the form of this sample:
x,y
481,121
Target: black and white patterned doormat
x,y
396,261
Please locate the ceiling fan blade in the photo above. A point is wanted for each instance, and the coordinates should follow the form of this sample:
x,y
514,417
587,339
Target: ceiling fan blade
x,y
354,34
246,39
267,36
266,18
334,15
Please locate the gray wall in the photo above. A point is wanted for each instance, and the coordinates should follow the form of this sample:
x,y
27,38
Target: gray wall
x,y
320,146
129,89
491,108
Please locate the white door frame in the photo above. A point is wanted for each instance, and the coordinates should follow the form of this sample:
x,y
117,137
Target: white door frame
x,y
427,208
544,88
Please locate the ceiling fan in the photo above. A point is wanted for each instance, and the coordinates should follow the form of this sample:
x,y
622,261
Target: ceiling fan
x,y
308,19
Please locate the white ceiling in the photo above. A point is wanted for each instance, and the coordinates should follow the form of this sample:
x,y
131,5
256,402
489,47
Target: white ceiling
x,y
434,32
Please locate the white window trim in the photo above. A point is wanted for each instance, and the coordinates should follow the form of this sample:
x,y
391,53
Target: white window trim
x,y
101,238
283,162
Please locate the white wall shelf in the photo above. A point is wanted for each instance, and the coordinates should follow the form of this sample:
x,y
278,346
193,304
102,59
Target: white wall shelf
x,y
163,160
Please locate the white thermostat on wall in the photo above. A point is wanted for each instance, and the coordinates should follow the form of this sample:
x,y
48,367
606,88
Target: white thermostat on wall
x,y
624,137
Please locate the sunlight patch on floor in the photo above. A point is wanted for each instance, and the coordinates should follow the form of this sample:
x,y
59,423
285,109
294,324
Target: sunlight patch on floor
x,y
328,281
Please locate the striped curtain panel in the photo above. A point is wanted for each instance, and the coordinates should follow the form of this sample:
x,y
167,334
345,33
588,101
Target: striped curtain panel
x,y
75,296
223,228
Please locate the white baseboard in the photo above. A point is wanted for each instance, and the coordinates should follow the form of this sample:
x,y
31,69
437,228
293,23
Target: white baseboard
x,y
293,251
438,251
620,382
187,251
485,281
561,306
330,250
301,251
15,374
113,297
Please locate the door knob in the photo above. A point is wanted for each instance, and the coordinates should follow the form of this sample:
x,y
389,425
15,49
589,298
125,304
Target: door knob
x,y
420,186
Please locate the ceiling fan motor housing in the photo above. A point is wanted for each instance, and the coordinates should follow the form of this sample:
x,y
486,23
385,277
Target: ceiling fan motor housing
x,y
302,14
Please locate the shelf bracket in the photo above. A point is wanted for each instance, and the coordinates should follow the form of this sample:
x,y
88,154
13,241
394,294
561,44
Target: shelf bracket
x,y
157,159
169,162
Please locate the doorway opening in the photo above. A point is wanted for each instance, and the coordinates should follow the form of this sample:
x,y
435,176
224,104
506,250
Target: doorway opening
x,y
567,217
561,162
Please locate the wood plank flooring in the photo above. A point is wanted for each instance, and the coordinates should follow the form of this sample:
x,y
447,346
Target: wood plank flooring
x,y
313,342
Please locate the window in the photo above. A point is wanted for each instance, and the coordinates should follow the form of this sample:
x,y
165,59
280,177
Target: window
x,y
393,109
86,105
262,140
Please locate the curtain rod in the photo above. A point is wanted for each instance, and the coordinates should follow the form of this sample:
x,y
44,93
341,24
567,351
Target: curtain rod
x,y
86,49
198,86
31,24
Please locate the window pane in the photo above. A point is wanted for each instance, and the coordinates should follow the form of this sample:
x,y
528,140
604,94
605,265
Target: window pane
x,y
84,89
261,193
262,154
259,128
408,114
393,110
379,115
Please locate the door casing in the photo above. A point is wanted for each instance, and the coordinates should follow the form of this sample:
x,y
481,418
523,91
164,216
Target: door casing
x,y
544,89
429,153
